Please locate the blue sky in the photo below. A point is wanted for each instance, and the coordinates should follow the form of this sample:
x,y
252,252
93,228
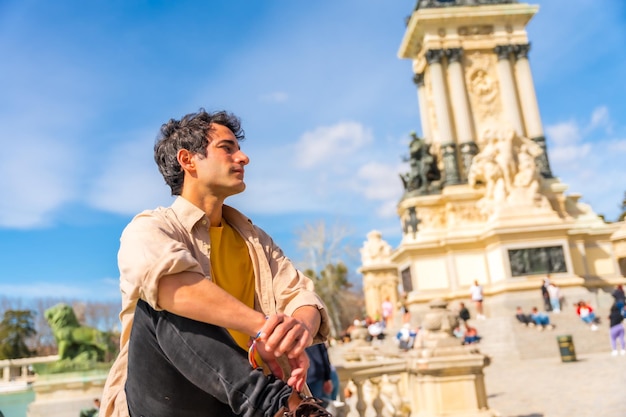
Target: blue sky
x,y
326,105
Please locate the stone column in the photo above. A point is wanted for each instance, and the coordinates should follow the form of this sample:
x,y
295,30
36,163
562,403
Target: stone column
x,y
507,88
418,79
461,110
530,108
460,106
444,125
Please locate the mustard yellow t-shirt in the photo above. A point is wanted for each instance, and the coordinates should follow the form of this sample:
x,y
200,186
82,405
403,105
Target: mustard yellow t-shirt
x,y
232,269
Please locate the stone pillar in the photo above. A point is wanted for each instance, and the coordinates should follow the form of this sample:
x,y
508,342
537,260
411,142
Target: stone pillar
x,y
507,88
526,90
530,108
461,110
444,125
460,106
445,378
418,79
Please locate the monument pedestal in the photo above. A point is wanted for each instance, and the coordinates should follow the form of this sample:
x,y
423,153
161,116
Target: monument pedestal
x,y
451,385
61,395
446,378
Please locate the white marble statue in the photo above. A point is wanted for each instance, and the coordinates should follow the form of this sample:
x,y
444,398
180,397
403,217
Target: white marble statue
x,y
375,249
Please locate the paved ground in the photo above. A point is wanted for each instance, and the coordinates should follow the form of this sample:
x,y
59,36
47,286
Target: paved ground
x,y
593,386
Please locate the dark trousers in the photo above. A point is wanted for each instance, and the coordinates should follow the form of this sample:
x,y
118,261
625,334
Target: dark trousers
x,y
185,368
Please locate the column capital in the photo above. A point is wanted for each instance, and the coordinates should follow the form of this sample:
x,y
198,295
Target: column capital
x,y
418,79
521,51
503,51
454,54
433,56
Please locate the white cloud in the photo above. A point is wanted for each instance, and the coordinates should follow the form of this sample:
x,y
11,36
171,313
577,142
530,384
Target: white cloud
x,y
389,209
380,181
331,144
564,133
37,176
600,118
617,146
275,97
590,162
130,182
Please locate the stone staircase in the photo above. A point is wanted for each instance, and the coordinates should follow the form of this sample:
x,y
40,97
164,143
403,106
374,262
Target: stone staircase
x,y
506,338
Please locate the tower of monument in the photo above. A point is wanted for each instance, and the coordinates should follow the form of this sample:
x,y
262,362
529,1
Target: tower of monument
x,y
481,201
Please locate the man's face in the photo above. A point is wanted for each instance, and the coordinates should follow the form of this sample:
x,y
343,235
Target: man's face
x,y
221,173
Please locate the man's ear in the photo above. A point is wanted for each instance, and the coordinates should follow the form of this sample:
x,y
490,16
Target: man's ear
x,y
185,159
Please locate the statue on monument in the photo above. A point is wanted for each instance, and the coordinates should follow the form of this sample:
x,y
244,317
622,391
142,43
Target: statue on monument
x,y
507,168
375,249
424,175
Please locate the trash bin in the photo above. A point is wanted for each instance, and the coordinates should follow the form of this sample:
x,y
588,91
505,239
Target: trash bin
x,y
566,346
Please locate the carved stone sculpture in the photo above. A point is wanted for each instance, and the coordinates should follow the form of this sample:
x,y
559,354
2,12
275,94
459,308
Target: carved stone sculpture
x,y
424,173
76,342
507,168
375,249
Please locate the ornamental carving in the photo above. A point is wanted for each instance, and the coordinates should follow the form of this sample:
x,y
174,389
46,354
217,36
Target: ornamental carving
x,y
482,85
475,30
464,214
375,250
432,218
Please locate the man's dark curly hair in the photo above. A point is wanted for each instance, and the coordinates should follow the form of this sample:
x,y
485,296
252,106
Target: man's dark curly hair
x,y
192,132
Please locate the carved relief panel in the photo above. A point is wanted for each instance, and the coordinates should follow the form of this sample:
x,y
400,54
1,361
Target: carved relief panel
x,y
482,87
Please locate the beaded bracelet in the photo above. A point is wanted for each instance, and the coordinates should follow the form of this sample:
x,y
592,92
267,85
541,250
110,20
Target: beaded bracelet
x,y
252,349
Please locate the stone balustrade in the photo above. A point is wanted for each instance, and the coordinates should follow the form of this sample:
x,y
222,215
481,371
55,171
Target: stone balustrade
x,y
20,370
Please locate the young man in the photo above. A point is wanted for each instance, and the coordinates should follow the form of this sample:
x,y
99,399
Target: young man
x,y
201,285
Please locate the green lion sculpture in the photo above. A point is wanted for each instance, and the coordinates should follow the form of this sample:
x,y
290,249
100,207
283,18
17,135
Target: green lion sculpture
x,y
76,342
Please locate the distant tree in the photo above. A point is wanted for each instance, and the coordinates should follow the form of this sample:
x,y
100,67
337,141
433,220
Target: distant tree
x,y
15,328
325,250
623,208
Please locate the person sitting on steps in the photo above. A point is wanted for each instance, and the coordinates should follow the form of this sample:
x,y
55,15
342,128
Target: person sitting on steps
x,y
541,319
525,319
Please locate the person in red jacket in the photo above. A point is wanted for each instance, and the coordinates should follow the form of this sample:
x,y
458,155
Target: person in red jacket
x,y
586,314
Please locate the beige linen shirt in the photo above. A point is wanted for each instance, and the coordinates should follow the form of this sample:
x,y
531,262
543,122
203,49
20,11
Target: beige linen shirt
x,y
176,239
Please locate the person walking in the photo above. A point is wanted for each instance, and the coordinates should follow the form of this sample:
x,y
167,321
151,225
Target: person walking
x,y
616,330
215,318
387,312
319,375
554,293
619,297
476,294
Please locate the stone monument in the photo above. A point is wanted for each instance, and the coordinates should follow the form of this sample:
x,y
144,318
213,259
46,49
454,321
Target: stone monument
x,y
481,201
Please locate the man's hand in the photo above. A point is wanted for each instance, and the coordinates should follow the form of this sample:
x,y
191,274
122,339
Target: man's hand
x,y
284,335
299,366
327,387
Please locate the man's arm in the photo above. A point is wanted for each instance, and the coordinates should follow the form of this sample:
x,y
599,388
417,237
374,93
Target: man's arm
x,y
191,295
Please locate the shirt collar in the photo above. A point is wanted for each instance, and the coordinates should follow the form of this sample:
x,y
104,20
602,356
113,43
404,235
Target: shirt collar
x,y
187,213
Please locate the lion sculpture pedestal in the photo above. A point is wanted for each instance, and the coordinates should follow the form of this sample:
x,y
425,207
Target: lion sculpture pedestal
x,y
78,377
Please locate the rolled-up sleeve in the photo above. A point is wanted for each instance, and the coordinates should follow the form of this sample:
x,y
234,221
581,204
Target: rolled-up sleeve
x,y
149,250
292,289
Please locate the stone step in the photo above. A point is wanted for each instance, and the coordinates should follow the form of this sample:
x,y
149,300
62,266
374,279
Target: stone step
x,y
504,337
